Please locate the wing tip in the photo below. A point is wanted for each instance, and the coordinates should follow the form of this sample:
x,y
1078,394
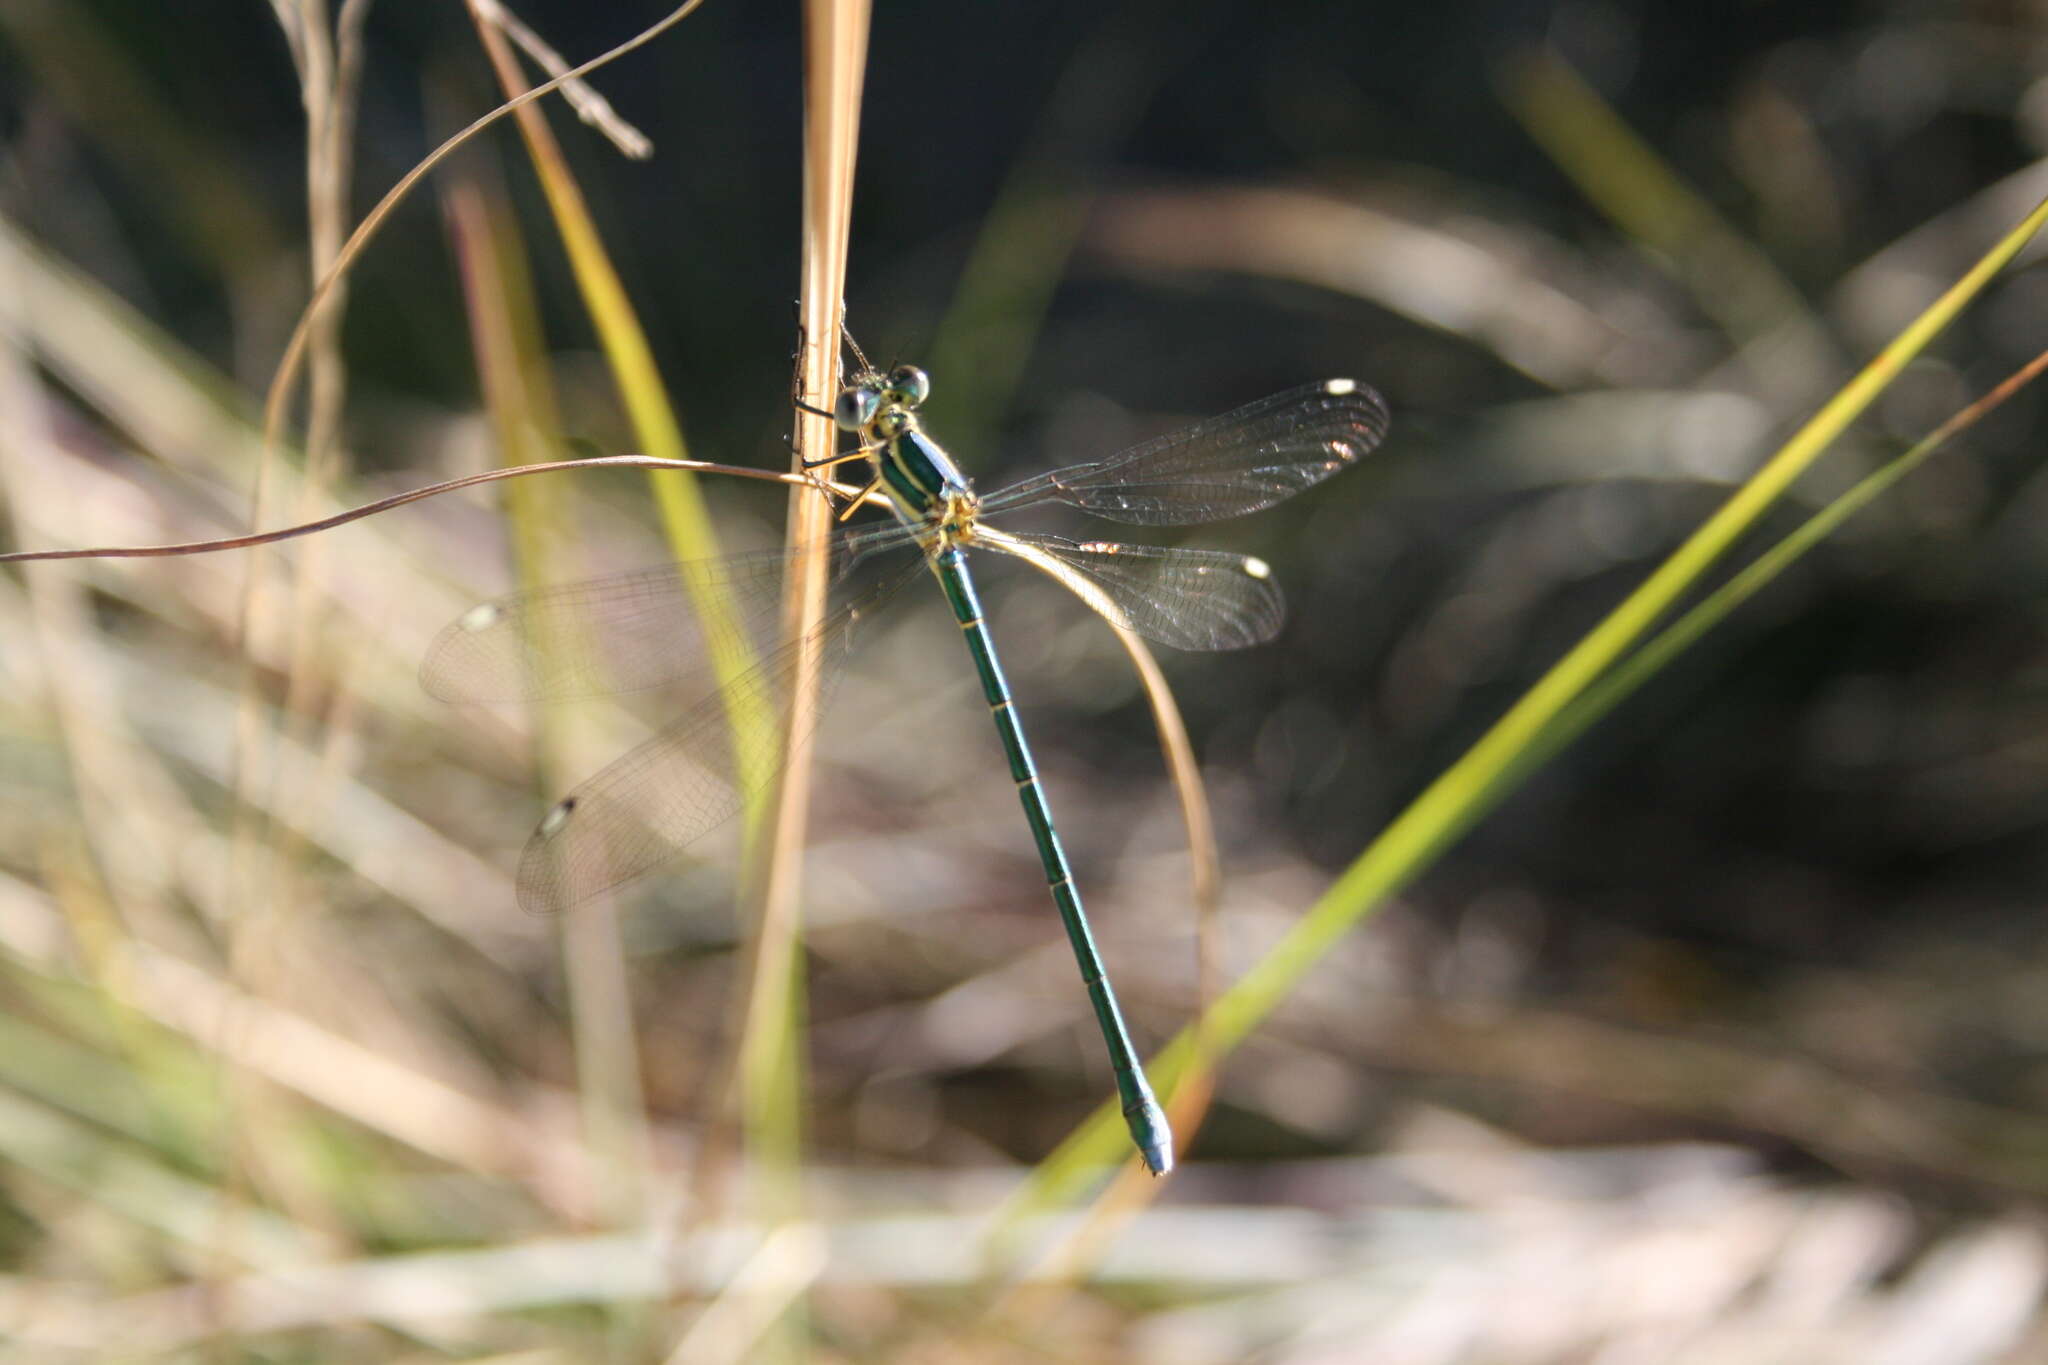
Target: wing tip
x,y
1377,416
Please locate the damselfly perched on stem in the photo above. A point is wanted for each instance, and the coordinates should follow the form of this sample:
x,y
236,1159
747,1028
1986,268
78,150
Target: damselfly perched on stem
x,y
640,630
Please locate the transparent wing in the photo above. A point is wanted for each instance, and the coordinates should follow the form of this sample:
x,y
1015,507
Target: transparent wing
x,y
622,633
1189,599
645,807
1230,465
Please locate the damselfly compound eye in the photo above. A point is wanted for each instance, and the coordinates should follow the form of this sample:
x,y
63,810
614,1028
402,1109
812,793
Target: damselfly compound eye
x,y
909,385
855,408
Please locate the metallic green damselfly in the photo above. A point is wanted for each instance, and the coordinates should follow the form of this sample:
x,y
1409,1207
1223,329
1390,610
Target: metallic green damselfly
x,y
641,630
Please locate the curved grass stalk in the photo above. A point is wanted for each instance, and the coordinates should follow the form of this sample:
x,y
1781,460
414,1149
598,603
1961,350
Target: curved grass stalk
x,y
1135,1188
1205,864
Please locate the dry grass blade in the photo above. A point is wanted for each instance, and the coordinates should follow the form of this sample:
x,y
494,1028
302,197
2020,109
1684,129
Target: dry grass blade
x,y
768,1060
754,1297
1507,294
264,857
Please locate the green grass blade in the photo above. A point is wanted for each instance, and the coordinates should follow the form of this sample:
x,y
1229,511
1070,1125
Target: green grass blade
x,y
774,1006
1487,772
684,515
1638,668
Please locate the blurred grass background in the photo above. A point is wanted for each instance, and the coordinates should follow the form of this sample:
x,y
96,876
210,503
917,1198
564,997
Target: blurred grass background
x,y
1720,1041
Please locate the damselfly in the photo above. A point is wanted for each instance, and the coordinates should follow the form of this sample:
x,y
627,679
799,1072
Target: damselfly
x,y
640,630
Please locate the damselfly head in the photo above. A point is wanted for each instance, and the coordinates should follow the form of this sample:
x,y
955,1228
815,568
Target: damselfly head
x,y
881,403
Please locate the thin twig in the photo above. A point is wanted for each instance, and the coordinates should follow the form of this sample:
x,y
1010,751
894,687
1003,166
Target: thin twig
x,y
593,108
370,509
287,369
